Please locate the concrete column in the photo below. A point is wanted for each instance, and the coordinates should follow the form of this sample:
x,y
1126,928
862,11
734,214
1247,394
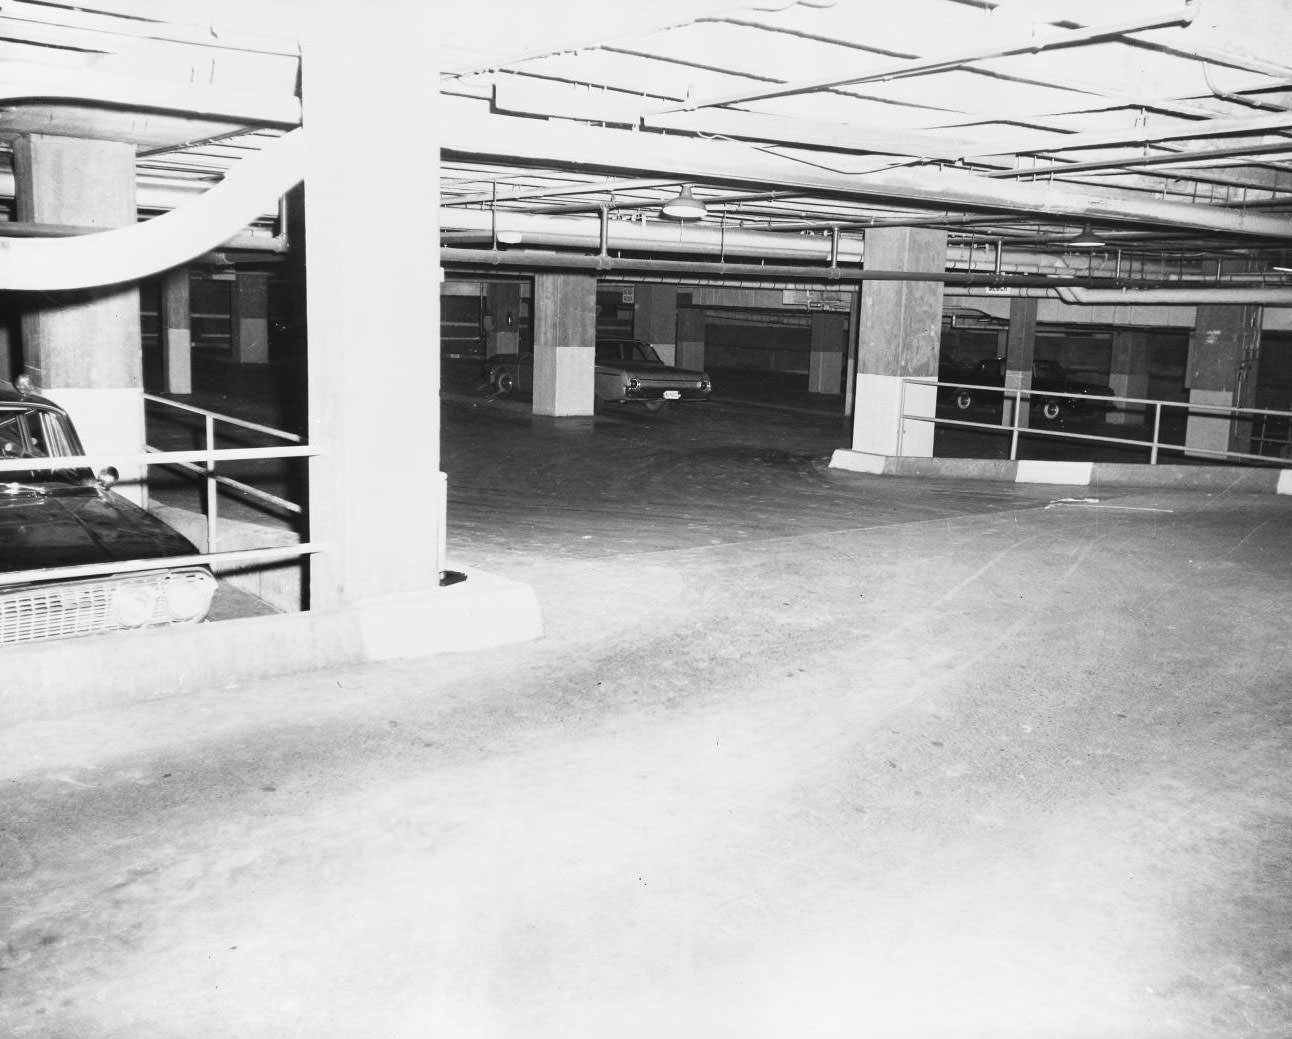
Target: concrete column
x,y
8,353
502,317
1223,352
250,318
825,362
690,339
1020,350
373,306
899,336
176,325
655,319
83,348
565,334
1128,374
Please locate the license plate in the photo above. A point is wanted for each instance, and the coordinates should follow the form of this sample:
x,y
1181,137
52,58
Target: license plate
x,y
672,394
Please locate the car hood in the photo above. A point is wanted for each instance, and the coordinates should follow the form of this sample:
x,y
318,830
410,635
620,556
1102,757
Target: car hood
x,y
73,526
649,368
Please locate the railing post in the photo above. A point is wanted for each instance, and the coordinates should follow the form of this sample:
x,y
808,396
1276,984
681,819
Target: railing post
x,y
1013,438
1157,431
212,487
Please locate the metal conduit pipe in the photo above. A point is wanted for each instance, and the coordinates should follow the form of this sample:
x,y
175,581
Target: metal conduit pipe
x,y
522,259
587,233
250,189
1273,296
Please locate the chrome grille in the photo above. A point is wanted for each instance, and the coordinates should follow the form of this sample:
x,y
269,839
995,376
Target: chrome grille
x,y
36,613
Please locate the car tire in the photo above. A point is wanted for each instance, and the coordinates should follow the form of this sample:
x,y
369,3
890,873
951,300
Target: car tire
x,y
964,400
1050,410
505,383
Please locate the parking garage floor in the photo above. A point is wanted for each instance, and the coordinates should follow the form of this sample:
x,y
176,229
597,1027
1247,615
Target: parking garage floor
x,y
802,754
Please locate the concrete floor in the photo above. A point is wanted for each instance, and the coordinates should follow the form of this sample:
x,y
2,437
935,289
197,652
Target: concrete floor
x,y
802,754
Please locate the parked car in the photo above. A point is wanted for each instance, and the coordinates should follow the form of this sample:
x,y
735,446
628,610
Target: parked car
x,y
627,372
52,517
1046,375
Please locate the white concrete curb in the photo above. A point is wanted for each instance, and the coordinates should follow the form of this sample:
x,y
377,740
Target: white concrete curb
x,y
1075,473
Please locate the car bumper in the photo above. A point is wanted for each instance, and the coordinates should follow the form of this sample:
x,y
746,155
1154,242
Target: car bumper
x,y
663,393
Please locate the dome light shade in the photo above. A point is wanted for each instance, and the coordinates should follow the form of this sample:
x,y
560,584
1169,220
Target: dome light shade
x,y
1086,239
685,207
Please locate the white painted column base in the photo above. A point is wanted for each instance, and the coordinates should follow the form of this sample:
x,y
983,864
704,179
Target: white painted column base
x,y
878,427
564,379
484,610
110,422
667,352
1205,433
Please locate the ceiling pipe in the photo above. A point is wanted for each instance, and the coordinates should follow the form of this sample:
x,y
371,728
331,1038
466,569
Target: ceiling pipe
x,y
586,233
1021,41
527,259
130,253
1272,296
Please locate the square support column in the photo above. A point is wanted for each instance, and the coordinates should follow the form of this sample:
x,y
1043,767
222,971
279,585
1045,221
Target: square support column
x,y
177,331
1020,351
565,336
827,347
250,318
1128,375
375,494
899,336
690,338
1223,353
83,349
655,319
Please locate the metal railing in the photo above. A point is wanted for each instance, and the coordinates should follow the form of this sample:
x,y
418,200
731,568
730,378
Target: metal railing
x,y
204,467
197,462
1016,397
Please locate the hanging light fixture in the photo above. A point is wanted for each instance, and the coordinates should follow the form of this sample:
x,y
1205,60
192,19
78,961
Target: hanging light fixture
x,y
1087,239
685,206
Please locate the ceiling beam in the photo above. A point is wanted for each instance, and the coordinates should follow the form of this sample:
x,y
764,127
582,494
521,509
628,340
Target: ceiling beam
x,y
468,130
1180,131
241,107
1195,156
841,137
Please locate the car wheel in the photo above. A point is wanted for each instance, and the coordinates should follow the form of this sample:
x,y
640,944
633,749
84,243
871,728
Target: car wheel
x,y
1050,410
505,382
964,400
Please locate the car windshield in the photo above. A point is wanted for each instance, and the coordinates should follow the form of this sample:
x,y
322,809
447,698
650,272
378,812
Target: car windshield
x,y
30,431
1048,369
627,350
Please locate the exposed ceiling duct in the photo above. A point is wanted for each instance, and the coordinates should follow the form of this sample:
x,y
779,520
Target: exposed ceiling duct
x,y
140,250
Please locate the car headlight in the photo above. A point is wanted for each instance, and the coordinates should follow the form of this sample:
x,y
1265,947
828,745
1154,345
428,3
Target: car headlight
x,y
188,595
633,384
133,606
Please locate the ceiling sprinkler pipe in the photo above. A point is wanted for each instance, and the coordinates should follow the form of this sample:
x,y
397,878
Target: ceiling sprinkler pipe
x,y
1272,296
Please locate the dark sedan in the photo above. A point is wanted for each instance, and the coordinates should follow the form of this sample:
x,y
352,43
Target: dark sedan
x,y
1049,379
54,517
627,372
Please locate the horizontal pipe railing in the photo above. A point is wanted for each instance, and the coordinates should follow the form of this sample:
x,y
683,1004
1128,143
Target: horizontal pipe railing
x,y
1154,444
199,462
240,556
282,434
223,454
